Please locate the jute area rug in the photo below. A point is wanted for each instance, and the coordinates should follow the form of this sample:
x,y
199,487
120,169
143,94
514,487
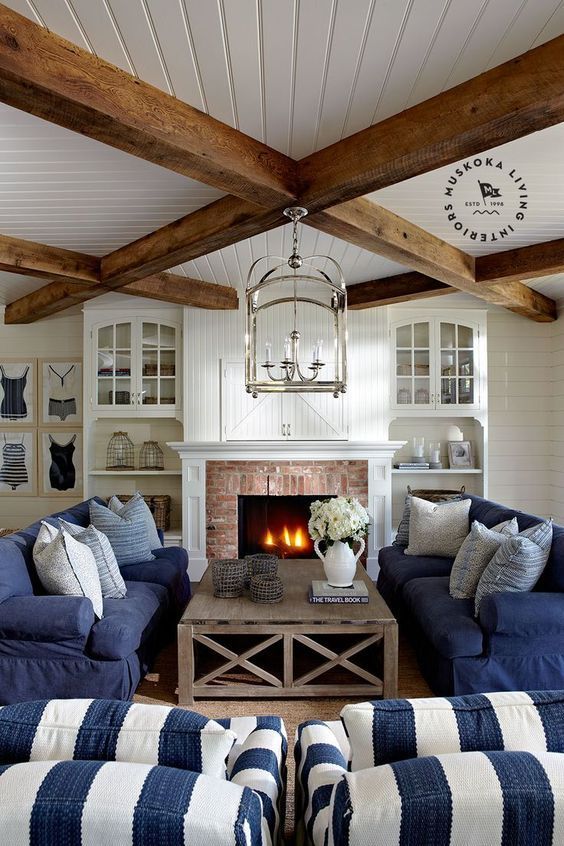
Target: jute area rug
x,y
160,687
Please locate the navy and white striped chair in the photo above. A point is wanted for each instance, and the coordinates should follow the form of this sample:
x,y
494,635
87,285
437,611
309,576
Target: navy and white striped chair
x,y
107,772
482,770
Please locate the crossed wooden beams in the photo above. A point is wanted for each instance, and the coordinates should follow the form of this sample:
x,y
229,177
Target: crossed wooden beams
x,y
48,76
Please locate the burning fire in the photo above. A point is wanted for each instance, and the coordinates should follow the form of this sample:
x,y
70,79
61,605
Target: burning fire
x,y
289,539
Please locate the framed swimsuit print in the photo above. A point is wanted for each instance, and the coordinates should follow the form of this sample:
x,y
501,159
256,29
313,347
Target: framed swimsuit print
x,y
18,463
61,462
18,391
60,392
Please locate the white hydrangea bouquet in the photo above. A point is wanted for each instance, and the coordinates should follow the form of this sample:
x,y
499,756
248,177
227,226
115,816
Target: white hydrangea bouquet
x,y
339,522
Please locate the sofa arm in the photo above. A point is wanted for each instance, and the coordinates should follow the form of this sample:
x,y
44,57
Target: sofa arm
x,y
320,764
46,618
527,614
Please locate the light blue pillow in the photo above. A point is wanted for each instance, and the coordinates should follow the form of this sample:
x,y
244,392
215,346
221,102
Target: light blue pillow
x,y
128,536
124,508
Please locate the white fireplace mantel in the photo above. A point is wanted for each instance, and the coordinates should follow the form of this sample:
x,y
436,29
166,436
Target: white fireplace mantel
x,y
194,456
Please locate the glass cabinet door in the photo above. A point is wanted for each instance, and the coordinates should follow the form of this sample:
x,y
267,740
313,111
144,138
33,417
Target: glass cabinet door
x,y
113,369
457,367
413,364
158,364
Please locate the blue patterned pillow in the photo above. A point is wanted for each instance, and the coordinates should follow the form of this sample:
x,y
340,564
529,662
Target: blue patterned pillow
x,y
128,536
124,509
111,580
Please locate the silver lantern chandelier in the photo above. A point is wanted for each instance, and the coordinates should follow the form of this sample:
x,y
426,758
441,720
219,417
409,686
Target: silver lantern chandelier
x,y
309,297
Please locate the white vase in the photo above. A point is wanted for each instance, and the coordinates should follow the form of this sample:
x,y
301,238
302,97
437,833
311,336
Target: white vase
x,y
339,562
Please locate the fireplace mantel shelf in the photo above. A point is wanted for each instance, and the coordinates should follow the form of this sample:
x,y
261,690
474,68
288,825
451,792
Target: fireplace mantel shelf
x,y
286,450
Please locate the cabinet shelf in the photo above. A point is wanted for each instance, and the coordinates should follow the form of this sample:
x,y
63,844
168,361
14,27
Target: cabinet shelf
x,y
135,472
453,472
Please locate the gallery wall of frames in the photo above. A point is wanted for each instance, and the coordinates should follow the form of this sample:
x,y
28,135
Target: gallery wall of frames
x,y
41,427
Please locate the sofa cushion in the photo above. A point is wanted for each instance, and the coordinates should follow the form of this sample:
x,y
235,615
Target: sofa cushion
x,y
128,535
14,576
475,554
396,568
111,580
475,798
437,528
129,621
447,623
169,568
389,730
133,506
66,567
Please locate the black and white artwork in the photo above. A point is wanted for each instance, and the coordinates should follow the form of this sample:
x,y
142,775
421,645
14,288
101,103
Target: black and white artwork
x,y
460,455
61,462
61,391
18,474
17,391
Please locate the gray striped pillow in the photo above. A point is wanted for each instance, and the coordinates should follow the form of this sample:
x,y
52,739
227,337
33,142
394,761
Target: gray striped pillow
x,y
475,554
111,580
128,536
137,501
518,563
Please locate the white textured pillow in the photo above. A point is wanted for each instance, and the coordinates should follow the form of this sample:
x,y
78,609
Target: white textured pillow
x,y
475,554
66,567
437,529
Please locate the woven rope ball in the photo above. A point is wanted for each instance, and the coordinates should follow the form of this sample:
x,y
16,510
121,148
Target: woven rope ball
x,y
228,576
267,588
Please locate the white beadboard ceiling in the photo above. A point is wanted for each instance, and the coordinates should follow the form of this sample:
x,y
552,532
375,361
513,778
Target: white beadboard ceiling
x,y
298,75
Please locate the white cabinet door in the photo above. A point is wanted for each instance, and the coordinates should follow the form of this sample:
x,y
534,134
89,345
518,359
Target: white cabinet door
x,y
315,417
245,418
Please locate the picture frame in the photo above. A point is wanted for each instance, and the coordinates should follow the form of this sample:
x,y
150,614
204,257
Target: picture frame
x,y
18,462
60,454
460,455
18,392
60,391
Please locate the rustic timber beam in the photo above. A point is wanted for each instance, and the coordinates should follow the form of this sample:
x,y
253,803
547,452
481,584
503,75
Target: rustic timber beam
x,y
522,263
170,287
44,262
514,99
374,228
52,78
395,289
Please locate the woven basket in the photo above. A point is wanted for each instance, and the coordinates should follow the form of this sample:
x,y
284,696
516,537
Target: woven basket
x,y
437,495
159,506
258,564
267,588
228,576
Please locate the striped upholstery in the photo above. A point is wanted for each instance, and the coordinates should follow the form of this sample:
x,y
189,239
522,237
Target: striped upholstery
x,y
470,798
186,796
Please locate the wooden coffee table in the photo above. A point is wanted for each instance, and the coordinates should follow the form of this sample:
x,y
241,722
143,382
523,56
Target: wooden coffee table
x,y
290,649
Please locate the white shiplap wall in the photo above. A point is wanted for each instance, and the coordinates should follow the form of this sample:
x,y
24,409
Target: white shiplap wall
x,y
57,336
556,428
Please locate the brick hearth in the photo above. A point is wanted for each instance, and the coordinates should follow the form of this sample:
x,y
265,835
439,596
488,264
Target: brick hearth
x,y
225,480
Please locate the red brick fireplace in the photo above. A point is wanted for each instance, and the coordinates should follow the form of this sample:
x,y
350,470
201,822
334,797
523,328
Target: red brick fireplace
x,y
226,480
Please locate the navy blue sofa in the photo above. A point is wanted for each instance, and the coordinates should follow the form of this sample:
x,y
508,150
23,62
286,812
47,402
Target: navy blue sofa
x,y
52,646
517,643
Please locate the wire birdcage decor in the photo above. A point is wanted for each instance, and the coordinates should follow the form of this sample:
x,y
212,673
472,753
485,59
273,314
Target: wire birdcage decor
x,y
120,452
308,298
151,456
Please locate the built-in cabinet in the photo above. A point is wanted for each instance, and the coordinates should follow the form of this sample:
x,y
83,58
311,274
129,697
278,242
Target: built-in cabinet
x,y
437,362
278,416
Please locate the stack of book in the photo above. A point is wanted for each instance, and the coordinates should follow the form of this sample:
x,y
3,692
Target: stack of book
x,y
412,465
321,592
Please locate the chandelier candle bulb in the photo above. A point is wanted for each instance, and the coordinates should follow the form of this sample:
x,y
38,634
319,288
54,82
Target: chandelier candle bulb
x,y
268,352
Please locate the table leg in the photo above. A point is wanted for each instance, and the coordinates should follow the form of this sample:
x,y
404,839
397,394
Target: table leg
x,y
390,674
186,665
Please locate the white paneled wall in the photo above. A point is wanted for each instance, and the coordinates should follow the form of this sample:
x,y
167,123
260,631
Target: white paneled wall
x,y
556,428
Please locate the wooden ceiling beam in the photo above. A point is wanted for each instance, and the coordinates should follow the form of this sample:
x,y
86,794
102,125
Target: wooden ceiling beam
x,y
402,288
378,230
523,263
512,100
168,287
45,262
47,76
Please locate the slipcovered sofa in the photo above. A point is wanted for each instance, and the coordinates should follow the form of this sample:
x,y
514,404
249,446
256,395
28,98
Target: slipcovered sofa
x,y
516,643
479,770
100,771
52,646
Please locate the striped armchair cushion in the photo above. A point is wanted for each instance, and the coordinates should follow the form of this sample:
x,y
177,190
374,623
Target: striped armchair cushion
x,y
390,730
470,798
111,730
97,802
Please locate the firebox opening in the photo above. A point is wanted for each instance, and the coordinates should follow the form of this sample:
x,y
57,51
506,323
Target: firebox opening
x,y
276,524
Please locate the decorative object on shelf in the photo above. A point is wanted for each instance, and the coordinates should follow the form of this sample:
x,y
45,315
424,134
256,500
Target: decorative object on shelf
x,y
17,391
267,588
122,397
404,396
228,575
313,296
61,462
151,456
421,396
437,494
18,467
435,456
418,450
120,452
61,391
460,455
338,522
159,506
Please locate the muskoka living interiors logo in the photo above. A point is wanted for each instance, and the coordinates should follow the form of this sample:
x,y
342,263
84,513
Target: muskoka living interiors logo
x,y
487,200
